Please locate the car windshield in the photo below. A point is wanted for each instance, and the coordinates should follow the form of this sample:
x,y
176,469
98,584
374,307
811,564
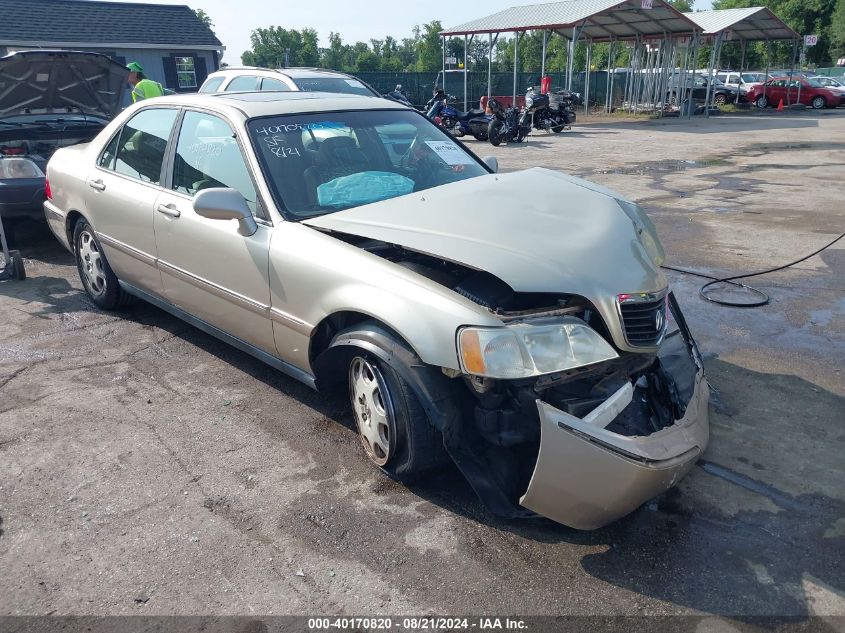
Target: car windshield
x,y
317,164
345,85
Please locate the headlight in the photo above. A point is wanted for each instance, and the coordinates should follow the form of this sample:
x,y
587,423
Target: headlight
x,y
523,350
646,231
12,168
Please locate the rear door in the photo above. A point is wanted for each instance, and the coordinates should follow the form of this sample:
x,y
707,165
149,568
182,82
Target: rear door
x,y
122,191
209,269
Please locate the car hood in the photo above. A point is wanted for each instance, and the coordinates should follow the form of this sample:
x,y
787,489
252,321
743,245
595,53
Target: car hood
x,y
52,82
537,230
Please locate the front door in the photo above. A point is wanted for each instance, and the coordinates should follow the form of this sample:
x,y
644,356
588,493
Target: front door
x,y
121,194
209,269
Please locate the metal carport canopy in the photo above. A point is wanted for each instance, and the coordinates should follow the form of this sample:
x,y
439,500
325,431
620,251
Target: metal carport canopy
x,y
600,20
751,24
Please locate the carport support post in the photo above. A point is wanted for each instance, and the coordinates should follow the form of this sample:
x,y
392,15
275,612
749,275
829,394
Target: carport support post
x,y
587,77
716,43
515,59
543,58
608,86
768,62
466,45
693,63
489,66
791,72
444,67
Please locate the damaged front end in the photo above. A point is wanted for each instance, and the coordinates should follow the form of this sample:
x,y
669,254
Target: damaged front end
x,y
587,446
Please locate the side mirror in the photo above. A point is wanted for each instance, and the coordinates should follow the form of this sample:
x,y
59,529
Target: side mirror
x,y
225,204
492,163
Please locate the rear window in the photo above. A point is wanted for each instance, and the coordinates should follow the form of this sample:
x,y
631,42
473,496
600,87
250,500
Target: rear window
x,y
345,85
245,82
212,85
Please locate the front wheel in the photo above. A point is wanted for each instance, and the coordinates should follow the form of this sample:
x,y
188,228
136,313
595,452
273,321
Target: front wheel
x,y
761,102
96,275
818,103
720,100
392,425
494,132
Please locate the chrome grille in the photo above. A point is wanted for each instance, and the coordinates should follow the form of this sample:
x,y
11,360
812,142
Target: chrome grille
x,y
643,319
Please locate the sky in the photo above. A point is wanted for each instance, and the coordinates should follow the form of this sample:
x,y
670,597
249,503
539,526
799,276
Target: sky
x,y
355,21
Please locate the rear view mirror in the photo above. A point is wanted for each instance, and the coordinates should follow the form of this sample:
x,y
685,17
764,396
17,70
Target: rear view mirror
x,y
492,163
225,204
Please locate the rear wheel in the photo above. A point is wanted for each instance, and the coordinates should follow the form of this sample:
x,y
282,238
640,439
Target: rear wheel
x,y
818,103
96,275
494,132
761,102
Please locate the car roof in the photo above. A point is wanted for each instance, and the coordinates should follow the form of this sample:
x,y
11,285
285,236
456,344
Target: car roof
x,y
258,104
298,72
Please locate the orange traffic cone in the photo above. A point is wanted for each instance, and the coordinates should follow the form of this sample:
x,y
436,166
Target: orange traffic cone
x,y
780,105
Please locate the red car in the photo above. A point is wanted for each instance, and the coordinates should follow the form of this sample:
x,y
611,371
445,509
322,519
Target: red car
x,y
812,93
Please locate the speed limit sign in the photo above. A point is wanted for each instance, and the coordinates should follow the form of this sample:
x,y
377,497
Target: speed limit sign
x,y
811,40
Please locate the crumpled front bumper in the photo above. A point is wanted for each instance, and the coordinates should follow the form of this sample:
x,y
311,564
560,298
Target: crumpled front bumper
x,y
587,476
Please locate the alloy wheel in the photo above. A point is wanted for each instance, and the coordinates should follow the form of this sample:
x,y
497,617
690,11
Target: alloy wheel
x,y
91,264
373,410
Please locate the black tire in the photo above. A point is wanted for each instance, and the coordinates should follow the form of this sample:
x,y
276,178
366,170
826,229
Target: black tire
x,y
17,263
818,103
494,130
106,293
415,446
720,100
761,102
557,129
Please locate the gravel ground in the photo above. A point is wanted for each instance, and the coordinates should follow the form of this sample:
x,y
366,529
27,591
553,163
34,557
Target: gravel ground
x,y
146,468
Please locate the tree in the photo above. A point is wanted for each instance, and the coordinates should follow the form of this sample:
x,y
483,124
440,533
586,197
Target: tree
x,y
429,50
203,17
270,45
684,6
803,16
336,55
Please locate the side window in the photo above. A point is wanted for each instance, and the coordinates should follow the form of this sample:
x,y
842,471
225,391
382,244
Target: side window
x,y
212,85
106,160
274,84
143,141
244,82
207,155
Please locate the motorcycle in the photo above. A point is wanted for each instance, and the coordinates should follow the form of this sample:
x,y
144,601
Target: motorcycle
x,y
566,103
457,123
541,115
397,94
506,125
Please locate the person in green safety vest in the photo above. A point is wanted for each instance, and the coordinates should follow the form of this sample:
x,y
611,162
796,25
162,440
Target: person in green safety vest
x,y
142,88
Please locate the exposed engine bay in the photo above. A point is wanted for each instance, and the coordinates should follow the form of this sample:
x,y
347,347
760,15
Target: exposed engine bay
x,y
499,451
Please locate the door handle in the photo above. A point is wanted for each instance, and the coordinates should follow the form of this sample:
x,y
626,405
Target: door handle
x,y
97,184
169,210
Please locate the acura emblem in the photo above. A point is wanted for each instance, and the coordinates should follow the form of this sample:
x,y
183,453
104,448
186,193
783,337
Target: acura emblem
x,y
659,320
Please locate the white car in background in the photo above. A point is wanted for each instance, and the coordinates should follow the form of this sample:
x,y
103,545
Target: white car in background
x,y
830,83
250,78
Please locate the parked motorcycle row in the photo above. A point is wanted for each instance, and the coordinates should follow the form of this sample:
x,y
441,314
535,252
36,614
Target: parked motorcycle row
x,y
505,124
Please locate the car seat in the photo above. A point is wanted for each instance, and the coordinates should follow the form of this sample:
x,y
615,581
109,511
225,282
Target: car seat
x,y
337,156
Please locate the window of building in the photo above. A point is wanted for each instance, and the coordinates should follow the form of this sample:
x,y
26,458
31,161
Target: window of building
x,y
185,72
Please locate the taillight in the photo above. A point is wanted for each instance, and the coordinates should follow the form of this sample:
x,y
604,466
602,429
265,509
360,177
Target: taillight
x,y
47,191
437,120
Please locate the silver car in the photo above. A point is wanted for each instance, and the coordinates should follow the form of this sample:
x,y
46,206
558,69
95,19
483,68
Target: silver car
x,y
517,324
